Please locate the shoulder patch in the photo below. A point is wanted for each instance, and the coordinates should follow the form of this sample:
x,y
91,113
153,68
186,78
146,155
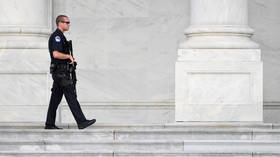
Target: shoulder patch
x,y
57,39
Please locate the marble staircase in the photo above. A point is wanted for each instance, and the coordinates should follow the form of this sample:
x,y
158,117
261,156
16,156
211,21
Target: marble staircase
x,y
131,140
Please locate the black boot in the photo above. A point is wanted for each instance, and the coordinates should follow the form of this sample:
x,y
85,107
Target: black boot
x,y
51,127
86,123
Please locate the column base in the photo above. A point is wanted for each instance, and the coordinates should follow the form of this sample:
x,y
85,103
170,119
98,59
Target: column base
x,y
225,87
219,37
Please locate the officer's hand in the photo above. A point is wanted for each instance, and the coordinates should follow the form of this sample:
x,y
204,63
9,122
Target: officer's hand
x,y
72,59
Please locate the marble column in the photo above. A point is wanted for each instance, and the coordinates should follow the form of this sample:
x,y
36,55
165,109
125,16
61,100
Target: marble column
x,y
25,26
219,70
25,23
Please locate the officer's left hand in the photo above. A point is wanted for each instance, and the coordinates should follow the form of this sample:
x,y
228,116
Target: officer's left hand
x,y
72,60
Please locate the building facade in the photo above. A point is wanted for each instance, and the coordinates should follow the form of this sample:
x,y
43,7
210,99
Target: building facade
x,y
126,52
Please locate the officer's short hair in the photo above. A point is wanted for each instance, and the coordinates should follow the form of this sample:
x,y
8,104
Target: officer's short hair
x,y
59,18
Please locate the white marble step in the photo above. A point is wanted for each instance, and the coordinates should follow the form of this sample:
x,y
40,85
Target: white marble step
x,y
74,126
243,146
185,154
106,145
199,134
68,134
130,154
177,125
56,154
145,134
222,125
189,146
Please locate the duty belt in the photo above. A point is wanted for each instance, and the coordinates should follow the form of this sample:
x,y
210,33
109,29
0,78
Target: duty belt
x,y
59,67
62,66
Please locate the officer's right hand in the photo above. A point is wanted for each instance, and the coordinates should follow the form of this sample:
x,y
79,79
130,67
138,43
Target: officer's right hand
x,y
72,60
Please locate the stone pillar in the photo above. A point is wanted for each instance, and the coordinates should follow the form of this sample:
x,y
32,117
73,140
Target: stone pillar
x,y
219,68
25,26
25,23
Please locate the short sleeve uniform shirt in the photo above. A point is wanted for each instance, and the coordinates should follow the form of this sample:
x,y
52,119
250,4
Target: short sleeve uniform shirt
x,y
58,42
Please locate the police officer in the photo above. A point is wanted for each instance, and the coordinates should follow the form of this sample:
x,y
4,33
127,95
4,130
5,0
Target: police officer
x,y
62,81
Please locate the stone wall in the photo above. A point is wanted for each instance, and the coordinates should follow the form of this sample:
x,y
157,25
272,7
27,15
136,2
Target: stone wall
x,y
264,19
126,52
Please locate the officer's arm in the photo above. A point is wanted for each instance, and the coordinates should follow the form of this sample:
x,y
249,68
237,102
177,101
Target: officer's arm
x,y
59,55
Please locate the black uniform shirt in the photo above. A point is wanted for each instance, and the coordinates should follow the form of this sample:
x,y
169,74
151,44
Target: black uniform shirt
x,y
58,42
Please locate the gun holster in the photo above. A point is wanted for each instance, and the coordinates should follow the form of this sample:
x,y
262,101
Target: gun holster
x,y
52,67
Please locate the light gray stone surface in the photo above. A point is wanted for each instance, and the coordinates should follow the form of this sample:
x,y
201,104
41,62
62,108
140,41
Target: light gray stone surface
x,y
131,154
232,146
148,33
126,52
119,47
222,139
264,19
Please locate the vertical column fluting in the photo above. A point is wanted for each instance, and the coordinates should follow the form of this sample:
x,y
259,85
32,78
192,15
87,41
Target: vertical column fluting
x,y
25,24
219,24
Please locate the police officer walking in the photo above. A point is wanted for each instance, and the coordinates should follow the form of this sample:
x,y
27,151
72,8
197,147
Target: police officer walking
x,y
62,80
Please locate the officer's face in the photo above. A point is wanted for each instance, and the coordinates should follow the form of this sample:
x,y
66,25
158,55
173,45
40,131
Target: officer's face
x,y
65,24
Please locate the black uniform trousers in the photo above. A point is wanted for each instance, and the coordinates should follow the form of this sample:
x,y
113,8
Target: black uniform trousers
x,y
63,84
